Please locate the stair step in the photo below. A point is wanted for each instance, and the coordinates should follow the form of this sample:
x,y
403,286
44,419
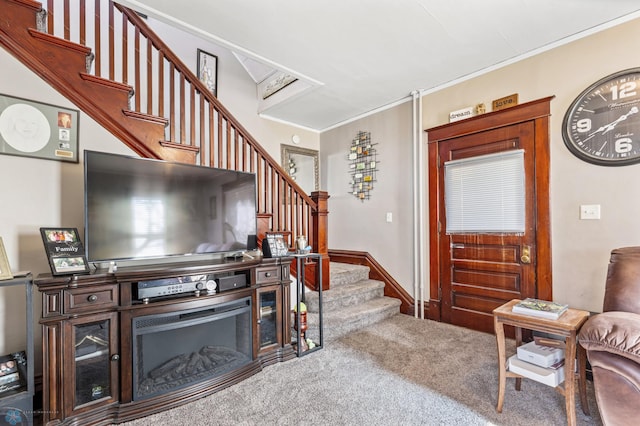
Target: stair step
x,y
343,273
345,295
339,322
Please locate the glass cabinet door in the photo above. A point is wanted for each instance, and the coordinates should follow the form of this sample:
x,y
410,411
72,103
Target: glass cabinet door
x,y
92,354
269,306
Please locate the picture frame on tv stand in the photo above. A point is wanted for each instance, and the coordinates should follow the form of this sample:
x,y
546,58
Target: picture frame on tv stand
x,y
274,245
5,270
64,250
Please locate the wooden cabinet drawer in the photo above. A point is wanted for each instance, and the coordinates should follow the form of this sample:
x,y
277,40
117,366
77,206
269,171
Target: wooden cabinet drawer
x,y
90,298
268,274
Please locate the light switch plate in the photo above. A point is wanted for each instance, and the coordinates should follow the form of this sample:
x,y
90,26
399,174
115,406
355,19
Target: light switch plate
x,y
590,212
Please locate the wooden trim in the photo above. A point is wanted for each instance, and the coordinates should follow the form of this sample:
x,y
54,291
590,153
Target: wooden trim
x,y
59,42
524,112
181,146
35,5
145,117
543,210
391,287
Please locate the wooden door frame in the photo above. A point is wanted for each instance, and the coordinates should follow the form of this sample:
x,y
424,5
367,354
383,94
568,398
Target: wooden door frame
x,y
537,111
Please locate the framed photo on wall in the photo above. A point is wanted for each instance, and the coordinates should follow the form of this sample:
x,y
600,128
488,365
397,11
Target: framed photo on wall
x,y
34,129
208,71
64,250
5,271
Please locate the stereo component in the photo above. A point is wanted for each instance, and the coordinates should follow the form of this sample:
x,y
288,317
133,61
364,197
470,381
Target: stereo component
x,y
186,285
231,282
173,286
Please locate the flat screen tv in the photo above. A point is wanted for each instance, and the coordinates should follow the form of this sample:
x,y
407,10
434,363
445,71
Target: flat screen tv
x,y
137,208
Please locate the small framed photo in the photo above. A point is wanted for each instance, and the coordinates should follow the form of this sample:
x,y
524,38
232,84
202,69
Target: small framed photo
x,y
64,250
208,71
5,271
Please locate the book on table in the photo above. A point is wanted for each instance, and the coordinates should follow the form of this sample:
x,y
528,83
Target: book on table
x,y
542,356
549,376
540,308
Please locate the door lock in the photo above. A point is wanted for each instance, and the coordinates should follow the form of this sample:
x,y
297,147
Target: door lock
x,y
526,254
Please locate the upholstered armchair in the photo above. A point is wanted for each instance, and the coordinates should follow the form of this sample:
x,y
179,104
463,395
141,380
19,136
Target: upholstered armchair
x,y
612,341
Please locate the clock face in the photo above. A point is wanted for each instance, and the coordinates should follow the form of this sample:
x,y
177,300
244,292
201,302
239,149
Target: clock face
x,y
602,126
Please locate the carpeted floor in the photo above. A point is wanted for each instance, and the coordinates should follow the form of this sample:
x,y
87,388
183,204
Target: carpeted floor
x,y
401,371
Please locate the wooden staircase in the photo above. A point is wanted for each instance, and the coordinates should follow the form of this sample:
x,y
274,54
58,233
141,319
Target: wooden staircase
x,y
353,302
64,64
142,93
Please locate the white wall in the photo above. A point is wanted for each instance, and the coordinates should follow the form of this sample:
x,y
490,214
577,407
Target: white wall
x,y
361,225
580,248
41,193
37,193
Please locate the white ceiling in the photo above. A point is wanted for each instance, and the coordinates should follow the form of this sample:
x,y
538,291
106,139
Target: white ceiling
x,y
356,56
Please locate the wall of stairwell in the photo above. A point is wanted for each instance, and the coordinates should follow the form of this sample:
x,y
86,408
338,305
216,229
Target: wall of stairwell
x,y
236,90
39,193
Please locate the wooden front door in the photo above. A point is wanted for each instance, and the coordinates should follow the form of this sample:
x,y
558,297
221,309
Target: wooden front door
x,y
473,272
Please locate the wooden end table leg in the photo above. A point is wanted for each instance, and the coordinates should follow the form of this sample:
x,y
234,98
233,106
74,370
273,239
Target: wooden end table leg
x,y
502,364
582,378
569,382
518,343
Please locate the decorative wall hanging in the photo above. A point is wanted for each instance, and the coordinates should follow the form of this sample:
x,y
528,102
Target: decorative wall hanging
x,y
363,165
34,129
208,71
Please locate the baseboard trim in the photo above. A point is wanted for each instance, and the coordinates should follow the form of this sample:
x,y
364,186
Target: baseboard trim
x,y
376,272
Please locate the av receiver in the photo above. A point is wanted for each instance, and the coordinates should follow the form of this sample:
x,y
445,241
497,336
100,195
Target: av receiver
x,y
188,284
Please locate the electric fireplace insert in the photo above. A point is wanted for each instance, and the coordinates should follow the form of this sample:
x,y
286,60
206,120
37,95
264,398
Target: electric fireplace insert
x,y
177,349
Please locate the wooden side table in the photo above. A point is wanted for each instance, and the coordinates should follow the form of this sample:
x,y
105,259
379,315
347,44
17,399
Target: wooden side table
x,y
566,326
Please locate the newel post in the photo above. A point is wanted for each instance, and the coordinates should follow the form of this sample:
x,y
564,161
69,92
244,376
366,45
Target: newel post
x,y
320,245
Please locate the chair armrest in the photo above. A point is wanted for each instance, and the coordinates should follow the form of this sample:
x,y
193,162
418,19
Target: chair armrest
x,y
615,332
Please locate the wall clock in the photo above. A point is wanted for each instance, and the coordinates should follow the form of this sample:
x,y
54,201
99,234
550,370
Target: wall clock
x,y
602,125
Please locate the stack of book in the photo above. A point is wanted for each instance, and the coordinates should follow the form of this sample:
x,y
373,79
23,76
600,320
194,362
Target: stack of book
x,y
540,308
544,364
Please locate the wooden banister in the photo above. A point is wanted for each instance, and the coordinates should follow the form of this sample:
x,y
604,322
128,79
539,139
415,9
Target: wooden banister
x,y
165,90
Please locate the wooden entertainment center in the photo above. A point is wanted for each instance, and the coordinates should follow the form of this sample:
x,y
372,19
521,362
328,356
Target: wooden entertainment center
x,y
99,335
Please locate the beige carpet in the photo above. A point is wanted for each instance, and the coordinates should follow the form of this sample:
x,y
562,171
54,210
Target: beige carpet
x,y
401,371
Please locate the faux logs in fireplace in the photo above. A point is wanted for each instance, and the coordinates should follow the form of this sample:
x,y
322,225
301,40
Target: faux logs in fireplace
x,y
178,349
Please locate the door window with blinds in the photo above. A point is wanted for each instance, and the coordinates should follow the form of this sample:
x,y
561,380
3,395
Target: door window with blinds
x,y
485,194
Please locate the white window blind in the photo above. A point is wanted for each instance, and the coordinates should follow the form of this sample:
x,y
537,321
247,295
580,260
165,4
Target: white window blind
x,y
485,193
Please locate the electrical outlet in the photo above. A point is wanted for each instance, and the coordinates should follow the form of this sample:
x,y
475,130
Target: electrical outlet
x,y
590,212
389,217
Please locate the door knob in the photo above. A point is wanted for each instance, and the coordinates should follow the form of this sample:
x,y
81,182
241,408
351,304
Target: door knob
x,y
526,254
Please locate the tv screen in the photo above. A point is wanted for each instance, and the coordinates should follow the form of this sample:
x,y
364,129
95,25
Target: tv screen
x,y
138,208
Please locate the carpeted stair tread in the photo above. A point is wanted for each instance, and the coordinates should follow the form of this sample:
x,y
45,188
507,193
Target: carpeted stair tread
x,y
345,295
338,322
353,301
343,273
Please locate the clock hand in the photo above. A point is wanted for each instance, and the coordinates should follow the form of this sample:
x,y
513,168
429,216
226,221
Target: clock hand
x,y
599,130
610,126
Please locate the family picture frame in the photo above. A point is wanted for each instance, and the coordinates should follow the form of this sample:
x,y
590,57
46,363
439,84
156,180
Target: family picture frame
x,y
64,250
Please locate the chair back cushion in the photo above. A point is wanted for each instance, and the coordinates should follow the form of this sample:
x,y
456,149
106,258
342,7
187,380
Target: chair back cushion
x,y
622,291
